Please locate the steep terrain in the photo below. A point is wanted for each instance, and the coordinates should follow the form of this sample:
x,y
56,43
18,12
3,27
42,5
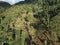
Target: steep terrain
x,y
30,23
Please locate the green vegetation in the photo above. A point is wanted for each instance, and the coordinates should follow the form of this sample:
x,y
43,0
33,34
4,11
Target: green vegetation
x,y
33,22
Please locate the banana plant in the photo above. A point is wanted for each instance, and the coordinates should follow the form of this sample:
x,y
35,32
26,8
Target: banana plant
x,y
22,37
45,42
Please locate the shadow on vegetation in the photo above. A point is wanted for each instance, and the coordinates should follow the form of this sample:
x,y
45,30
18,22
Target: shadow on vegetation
x,y
58,39
28,40
5,44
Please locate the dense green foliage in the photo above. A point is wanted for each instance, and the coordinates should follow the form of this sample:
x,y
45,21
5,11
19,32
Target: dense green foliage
x,y
33,22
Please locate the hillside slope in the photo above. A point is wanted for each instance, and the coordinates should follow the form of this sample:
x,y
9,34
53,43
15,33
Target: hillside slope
x,y
30,23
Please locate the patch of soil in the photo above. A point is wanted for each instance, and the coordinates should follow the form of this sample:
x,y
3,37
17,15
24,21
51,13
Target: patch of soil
x,y
58,43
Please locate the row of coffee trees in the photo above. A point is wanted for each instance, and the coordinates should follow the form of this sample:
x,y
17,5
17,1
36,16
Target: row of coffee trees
x,y
51,10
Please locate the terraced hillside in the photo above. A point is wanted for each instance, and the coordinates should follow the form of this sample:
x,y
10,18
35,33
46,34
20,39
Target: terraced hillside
x,y
32,23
